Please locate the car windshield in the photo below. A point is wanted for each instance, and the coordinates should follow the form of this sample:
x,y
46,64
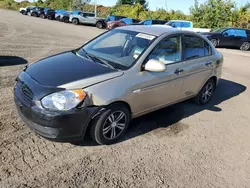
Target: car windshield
x,y
219,30
118,48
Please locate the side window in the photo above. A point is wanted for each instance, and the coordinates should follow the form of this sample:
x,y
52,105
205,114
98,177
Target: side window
x,y
240,33
195,47
169,51
91,15
230,32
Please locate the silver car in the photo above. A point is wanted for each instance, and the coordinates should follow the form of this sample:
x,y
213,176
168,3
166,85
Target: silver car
x,y
87,18
122,74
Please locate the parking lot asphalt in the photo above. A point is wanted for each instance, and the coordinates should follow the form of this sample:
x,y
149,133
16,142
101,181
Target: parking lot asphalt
x,y
184,145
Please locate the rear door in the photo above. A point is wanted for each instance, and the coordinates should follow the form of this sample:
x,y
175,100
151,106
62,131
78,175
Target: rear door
x,y
82,17
90,18
240,37
198,63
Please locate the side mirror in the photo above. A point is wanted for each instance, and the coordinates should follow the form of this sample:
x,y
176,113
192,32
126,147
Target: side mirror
x,y
155,66
225,34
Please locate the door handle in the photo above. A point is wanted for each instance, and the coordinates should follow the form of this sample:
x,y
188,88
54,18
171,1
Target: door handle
x,y
208,63
178,71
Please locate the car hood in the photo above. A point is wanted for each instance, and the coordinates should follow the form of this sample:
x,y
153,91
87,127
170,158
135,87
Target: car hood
x,y
113,22
63,69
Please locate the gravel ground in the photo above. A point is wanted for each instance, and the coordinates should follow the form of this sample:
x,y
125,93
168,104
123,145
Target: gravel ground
x,y
184,145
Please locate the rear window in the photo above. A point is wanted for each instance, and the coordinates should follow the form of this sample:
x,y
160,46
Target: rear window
x,y
240,33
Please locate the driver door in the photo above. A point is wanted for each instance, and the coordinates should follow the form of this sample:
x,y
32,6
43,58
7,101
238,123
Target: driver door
x,y
83,18
158,89
227,38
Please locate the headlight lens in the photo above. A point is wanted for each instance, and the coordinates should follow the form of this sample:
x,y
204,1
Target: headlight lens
x,y
64,100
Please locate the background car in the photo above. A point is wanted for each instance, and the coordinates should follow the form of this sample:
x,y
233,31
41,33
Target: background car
x,y
114,18
50,14
186,25
43,12
59,14
37,11
87,18
151,22
25,10
122,22
230,37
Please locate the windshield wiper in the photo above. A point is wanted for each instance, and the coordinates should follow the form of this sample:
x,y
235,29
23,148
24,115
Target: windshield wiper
x,y
100,60
86,54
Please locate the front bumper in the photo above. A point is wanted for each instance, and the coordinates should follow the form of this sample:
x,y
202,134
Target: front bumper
x,y
53,125
57,126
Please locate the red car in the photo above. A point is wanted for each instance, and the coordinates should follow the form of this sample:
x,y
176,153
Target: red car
x,y
122,22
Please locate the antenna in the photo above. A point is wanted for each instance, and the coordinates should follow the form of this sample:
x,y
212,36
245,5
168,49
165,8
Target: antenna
x,y
166,4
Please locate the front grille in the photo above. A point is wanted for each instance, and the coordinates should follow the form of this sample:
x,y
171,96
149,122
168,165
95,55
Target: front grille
x,y
23,93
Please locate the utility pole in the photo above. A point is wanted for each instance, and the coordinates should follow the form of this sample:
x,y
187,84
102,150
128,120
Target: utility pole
x,y
166,4
95,8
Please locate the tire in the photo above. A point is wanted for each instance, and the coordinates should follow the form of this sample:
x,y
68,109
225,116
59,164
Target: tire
x,y
99,25
34,14
105,132
206,93
42,16
75,21
215,42
23,12
50,17
65,20
245,46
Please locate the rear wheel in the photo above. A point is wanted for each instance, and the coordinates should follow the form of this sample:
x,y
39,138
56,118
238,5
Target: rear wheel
x,y
34,14
206,93
66,20
110,126
245,46
214,42
99,25
42,16
75,21
23,12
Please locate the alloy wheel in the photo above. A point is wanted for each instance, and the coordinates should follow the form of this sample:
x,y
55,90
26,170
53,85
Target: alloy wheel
x,y
207,93
245,46
214,42
114,125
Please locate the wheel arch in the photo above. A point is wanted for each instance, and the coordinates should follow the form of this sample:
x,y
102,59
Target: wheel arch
x,y
216,38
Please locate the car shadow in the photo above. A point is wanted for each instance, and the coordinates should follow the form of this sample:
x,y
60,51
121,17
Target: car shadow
x,y
170,117
12,60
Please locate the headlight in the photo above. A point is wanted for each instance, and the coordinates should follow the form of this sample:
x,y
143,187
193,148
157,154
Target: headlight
x,y
64,100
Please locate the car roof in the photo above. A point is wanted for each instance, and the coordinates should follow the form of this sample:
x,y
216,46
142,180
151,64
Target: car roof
x,y
235,28
179,21
156,30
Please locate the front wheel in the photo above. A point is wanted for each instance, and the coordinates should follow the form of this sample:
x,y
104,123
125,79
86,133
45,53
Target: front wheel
x,y
110,126
245,46
214,42
206,93
75,21
23,12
